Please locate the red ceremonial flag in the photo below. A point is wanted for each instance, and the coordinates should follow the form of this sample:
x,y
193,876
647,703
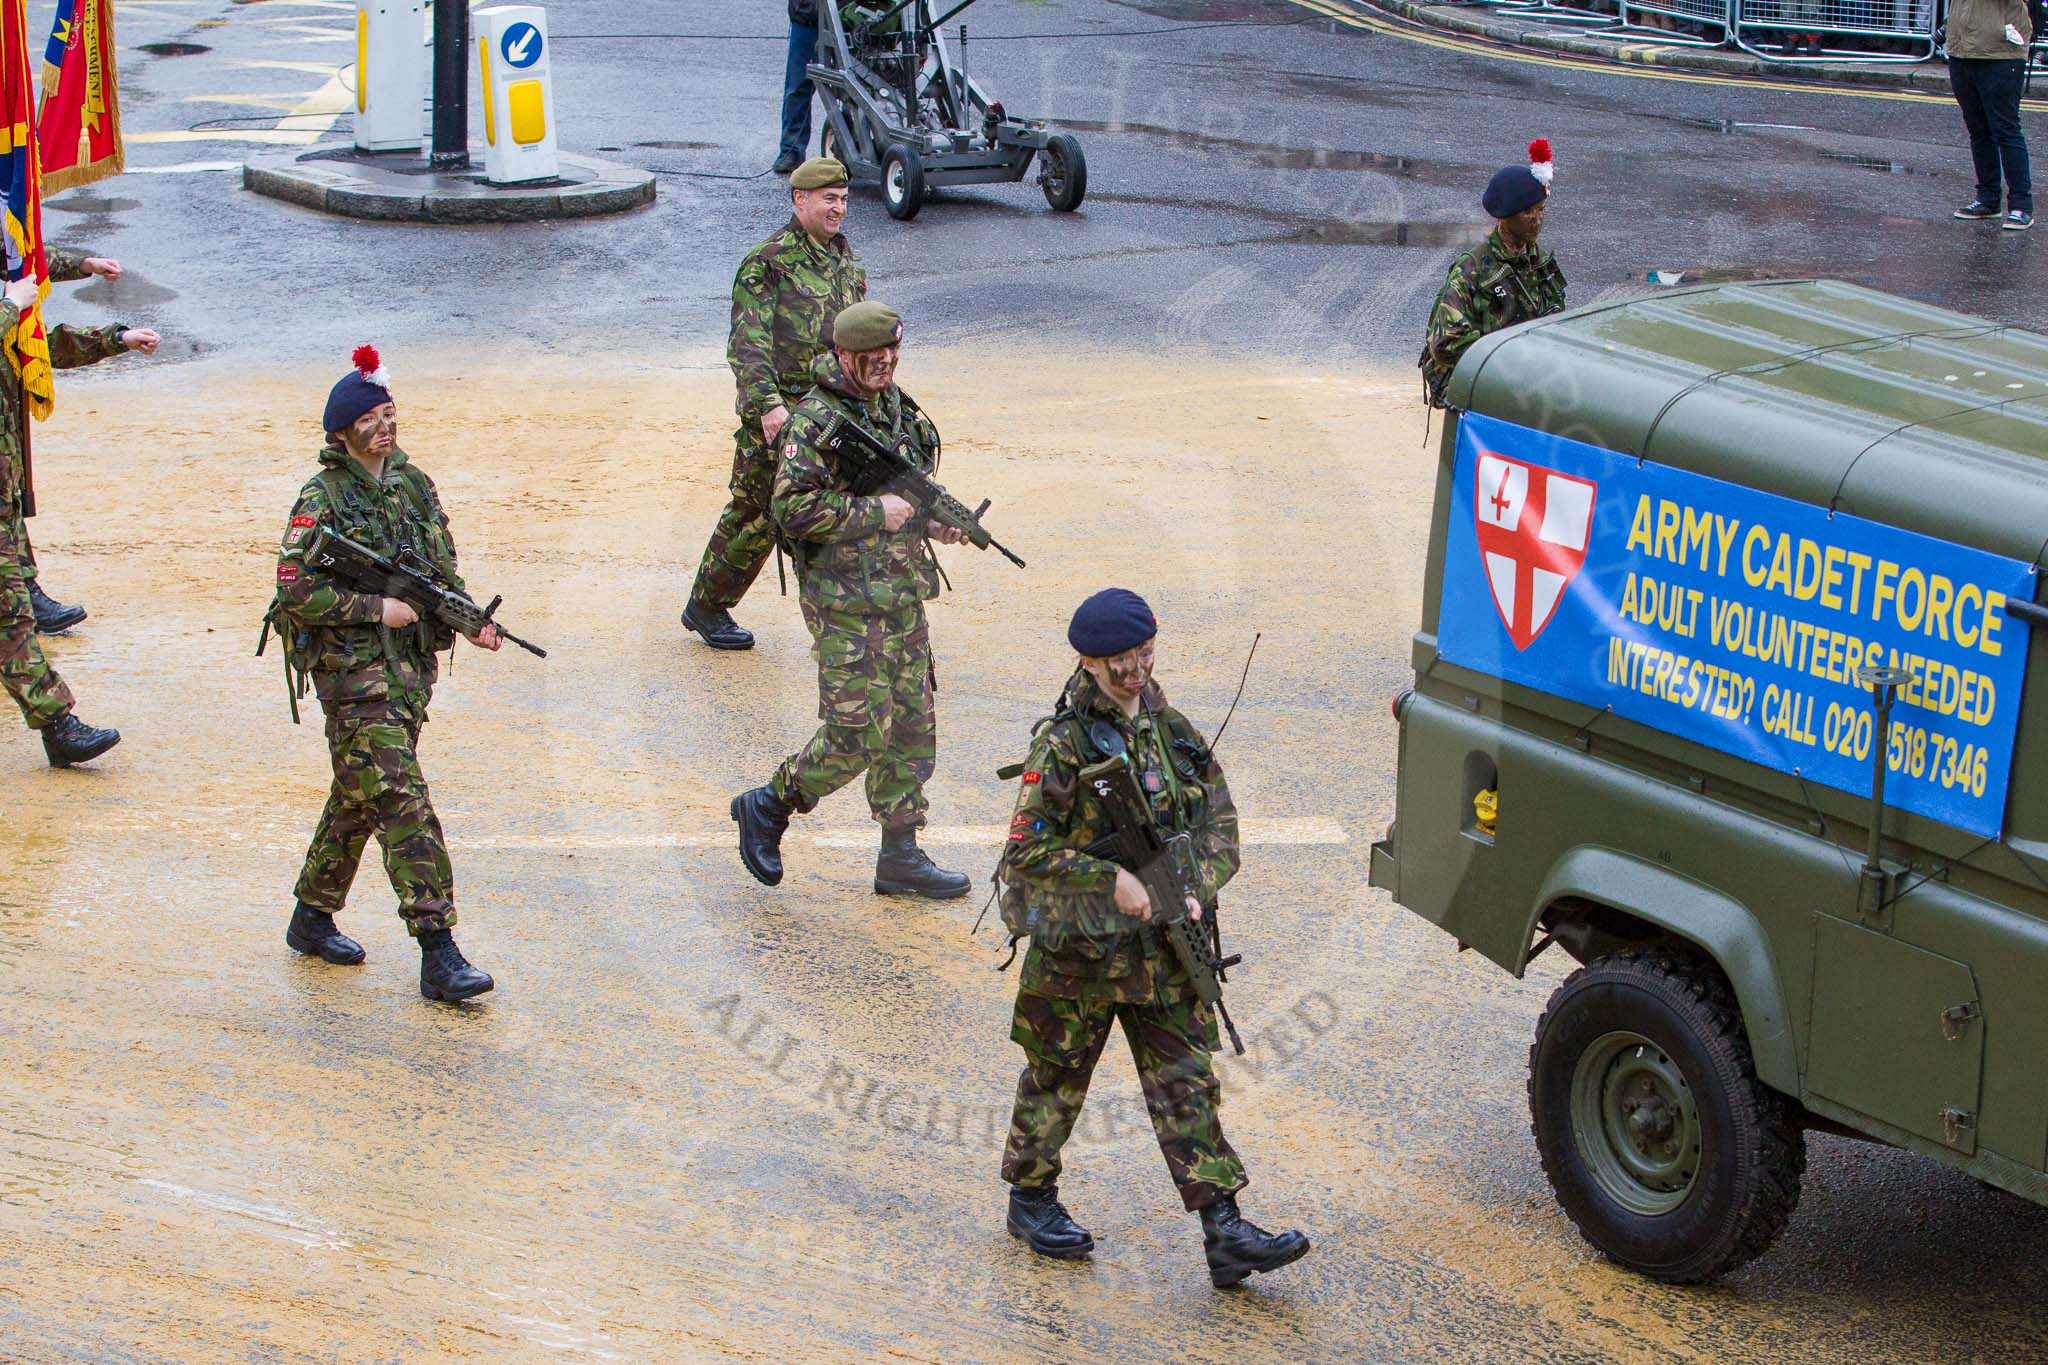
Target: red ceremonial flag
x,y
80,123
27,348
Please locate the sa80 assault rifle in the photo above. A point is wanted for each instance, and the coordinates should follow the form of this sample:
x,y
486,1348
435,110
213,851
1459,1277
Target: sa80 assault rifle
x,y
1166,865
410,577
872,465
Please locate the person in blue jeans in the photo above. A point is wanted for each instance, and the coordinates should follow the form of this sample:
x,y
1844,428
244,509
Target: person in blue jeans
x,y
796,85
1987,70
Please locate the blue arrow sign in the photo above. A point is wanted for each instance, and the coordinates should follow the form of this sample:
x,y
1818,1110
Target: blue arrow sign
x,y
521,45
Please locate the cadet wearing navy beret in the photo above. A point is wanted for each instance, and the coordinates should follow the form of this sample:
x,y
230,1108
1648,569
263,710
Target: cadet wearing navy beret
x,y
1098,955
1505,280
1110,622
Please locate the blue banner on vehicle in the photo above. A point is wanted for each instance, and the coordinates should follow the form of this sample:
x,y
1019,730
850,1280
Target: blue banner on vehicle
x,y
1735,618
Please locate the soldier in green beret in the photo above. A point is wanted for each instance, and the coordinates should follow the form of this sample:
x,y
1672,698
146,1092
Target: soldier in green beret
x,y
865,569
783,300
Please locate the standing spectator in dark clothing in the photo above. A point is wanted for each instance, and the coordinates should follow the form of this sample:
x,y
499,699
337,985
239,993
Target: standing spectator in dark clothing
x,y
796,85
1987,69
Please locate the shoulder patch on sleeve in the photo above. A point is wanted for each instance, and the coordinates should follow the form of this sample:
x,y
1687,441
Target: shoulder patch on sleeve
x,y
287,573
1033,777
302,521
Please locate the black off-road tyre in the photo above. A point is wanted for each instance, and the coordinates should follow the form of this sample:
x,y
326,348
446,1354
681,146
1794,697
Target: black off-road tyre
x,y
1692,1165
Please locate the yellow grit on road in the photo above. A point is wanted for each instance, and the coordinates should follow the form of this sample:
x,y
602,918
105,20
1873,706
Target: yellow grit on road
x,y
703,1119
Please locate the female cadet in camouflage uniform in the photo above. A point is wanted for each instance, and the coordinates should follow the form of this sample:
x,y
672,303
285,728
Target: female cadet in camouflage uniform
x,y
371,662
1504,280
1095,961
864,573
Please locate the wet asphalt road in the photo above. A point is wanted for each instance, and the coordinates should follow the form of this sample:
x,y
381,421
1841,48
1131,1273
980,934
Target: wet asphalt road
x,y
702,1119
1243,179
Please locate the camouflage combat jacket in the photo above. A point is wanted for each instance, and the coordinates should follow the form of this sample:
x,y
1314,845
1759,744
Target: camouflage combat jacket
x,y
784,298
1082,946
70,348
846,563
1488,288
334,634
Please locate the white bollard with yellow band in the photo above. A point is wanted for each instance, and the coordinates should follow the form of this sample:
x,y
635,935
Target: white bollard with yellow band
x,y
392,67
519,103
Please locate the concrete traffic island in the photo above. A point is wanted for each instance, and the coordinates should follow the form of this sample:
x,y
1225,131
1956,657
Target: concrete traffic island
x,y
402,187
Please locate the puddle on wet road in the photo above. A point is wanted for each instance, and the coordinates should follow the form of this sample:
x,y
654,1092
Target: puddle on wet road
x,y
129,289
1309,230
1863,162
1214,11
1281,156
91,203
174,49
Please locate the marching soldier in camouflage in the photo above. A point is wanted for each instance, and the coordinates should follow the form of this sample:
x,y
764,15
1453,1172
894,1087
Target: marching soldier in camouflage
x,y
45,701
783,300
1505,280
371,662
1095,961
864,573
54,617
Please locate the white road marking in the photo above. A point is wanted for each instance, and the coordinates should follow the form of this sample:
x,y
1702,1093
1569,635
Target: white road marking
x,y
186,168
1309,832
222,135
299,124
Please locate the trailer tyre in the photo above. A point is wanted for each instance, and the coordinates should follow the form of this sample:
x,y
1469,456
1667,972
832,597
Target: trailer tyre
x,y
902,182
1063,172
1662,1145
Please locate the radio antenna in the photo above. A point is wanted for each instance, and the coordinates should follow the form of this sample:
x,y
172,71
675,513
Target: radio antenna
x,y
1256,636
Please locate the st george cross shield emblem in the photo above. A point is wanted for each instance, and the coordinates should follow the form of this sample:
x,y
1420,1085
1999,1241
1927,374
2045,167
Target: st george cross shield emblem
x,y
1533,526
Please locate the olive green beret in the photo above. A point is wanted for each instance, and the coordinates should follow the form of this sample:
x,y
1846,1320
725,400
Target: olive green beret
x,y
866,327
819,173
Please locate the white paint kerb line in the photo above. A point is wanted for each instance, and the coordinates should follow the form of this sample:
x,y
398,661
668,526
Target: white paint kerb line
x,y
1313,831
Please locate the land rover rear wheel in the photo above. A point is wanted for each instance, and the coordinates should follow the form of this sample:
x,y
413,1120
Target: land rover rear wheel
x,y
1662,1145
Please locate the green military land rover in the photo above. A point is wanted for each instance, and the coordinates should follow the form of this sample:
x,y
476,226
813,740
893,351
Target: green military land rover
x,y
1719,582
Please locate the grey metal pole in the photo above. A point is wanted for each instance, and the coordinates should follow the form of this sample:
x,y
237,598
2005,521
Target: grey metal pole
x,y
451,86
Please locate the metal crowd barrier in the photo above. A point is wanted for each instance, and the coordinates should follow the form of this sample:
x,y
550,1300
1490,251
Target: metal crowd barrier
x,y
1714,20
1812,29
1788,31
1592,13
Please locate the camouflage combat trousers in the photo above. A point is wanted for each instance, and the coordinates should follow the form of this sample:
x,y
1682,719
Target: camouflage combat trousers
x,y
1171,1041
742,541
34,685
875,697
379,789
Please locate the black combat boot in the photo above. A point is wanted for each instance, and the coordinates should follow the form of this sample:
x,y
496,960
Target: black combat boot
x,y
1236,1248
762,817
1042,1221
445,974
52,616
312,932
68,740
904,870
717,627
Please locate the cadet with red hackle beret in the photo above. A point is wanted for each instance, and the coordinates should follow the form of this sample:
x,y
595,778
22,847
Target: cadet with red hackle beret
x,y
1505,280
370,660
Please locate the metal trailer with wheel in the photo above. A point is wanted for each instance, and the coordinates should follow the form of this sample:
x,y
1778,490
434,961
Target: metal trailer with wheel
x,y
900,110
